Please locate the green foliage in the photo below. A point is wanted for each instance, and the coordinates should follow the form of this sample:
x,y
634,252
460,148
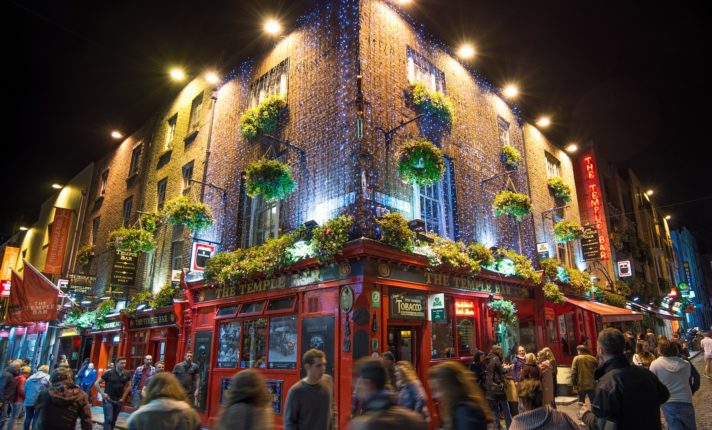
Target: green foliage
x,y
647,291
509,203
102,311
164,297
85,253
85,320
566,231
481,254
132,239
150,221
264,117
452,255
420,162
559,189
140,298
511,156
193,215
270,178
552,293
433,103
613,299
522,266
578,280
504,310
330,238
395,232
550,267
622,288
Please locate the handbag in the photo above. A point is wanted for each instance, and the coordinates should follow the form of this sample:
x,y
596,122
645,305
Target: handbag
x,y
511,391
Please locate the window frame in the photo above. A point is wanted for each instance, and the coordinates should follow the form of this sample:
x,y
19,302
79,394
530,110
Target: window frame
x,y
552,164
95,225
233,315
172,125
503,134
194,118
161,195
135,164
126,218
276,78
417,65
280,311
187,182
103,182
446,202
173,254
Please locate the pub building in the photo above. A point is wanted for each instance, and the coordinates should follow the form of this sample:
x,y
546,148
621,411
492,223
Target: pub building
x,y
372,299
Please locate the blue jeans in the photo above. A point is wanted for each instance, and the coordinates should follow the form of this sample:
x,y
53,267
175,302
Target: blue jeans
x,y
15,410
111,413
679,416
29,416
4,413
583,393
502,405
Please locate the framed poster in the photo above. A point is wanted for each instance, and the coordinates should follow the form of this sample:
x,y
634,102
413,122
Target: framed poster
x,y
282,343
229,345
201,355
275,389
319,333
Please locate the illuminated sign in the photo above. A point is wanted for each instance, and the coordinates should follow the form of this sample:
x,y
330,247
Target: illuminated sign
x,y
594,205
9,260
6,285
624,269
464,308
201,253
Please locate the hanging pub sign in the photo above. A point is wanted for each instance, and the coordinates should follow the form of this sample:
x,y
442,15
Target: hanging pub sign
x,y
123,273
624,269
593,198
589,243
436,303
58,235
200,255
542,250
155,320
410,306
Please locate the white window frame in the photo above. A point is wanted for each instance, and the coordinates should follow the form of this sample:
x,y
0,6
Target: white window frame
x,y
104,181
260,234
126,217
177,244
444,201
553,166
187,183
274,82
421,70
135,164
503,131
171,124
196,107
161,203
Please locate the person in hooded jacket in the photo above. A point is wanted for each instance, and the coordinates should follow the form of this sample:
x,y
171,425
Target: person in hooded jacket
x,y
494,386
674,372
165,407
248,404
535,414
59,407
19,400
33,386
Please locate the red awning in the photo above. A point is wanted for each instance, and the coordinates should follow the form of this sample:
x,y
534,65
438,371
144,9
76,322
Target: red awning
x,y
608,313
655,311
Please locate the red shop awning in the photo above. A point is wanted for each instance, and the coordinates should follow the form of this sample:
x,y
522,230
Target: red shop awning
x,y
607,313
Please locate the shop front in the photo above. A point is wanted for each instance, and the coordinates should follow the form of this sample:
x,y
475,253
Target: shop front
x,y
155,333
106,344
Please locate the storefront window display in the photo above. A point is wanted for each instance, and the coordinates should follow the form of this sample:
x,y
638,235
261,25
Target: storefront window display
x,y
507,336
254,341
229,345
283,343
465,336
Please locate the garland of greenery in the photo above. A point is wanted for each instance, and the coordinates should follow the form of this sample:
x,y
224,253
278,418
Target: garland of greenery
x,y
566,231
141,298
85,253
522,266
481,254
330,238
550,267
132,239
509,203
452,255
510,156
553,293
433,103
559,189
183,211
420,162
578,280
504,310
270,178
163,298
614,299
395,232
264,117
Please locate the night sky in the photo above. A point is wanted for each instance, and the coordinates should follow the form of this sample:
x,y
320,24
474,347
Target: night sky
x,y
632,79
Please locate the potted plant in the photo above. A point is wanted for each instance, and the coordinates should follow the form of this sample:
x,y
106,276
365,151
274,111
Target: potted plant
x,y
559,189
264,117
503,310
193,215
433,103
271,178
85,254
420,162
510,203
150,221
132,239
140,298
510,156
566,231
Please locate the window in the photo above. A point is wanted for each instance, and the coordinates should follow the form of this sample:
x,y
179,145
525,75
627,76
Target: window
x,y
135,157
503,131
161,193
254,340
564,253
435,204
229,345
195,109
271,83
283,342
553,166
103,182
465,336
187,176
128,203
251,308
421,70
442,334
177,255
283,304
95,230
138,349
170,132
264,220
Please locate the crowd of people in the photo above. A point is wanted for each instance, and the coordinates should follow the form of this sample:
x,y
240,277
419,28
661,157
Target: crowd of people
x,y
627,384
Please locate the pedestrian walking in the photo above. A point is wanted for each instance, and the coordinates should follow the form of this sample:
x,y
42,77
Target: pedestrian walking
x,y
19,398
164,407
547,378
706,345
549,355
248,403
411,394
87,379
310,401
160,367
59,407
626,396
379,410
518,362
80,371
536,414
462,404
674,372
651,339
8,386
530,369
479,368
140,377
495,380
389,363
582,369
188,375
643,357
36,383
116,389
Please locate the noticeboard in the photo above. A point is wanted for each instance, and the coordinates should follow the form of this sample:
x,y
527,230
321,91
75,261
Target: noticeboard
x,y
590,247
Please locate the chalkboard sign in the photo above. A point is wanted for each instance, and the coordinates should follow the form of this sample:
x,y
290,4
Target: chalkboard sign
x,y
590,247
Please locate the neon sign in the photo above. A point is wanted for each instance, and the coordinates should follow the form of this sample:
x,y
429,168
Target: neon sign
x,y
594,203
464,308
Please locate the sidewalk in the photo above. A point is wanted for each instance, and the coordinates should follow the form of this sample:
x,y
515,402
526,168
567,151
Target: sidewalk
x,y
97,415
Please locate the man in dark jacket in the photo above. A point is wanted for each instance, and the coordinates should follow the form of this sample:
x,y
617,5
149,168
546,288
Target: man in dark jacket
x,y
626,396
8,386
495,381
59,407
379,411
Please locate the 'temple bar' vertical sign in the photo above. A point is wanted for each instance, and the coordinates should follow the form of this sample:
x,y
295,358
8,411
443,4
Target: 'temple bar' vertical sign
x,y
594,203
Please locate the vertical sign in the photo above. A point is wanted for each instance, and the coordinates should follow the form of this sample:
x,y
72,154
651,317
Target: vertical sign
x,y
589,243
688,276
595,204
58,241
123,273
8,262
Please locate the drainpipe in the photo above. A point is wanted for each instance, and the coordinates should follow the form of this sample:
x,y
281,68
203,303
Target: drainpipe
x,y
214,98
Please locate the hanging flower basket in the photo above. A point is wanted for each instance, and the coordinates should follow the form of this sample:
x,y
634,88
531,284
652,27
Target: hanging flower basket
x,y
503,310
191,214
85,254
566,231
552,293
509,203
510,157
141,298
395,232
420,162
270,178
264,117
329,239
150,221
132,239
164,297
433,103
559,189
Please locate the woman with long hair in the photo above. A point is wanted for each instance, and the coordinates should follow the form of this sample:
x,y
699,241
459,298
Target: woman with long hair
x,y
547,378
411,394
248,404
494,386
535,414
462,405
549,354
530,369
164,407
643,357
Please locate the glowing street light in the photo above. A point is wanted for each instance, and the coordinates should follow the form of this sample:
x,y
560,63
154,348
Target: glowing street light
x,y
116,134
544,121
668,217
404,1
212,77
272,26
466,51
511,91
649,193
23,228
571,148
56,186
177,74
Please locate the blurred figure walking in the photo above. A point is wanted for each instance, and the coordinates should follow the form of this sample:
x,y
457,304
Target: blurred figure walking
x,y
165,407
535,414
582,370
33,386
248,404
411,394
462,405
